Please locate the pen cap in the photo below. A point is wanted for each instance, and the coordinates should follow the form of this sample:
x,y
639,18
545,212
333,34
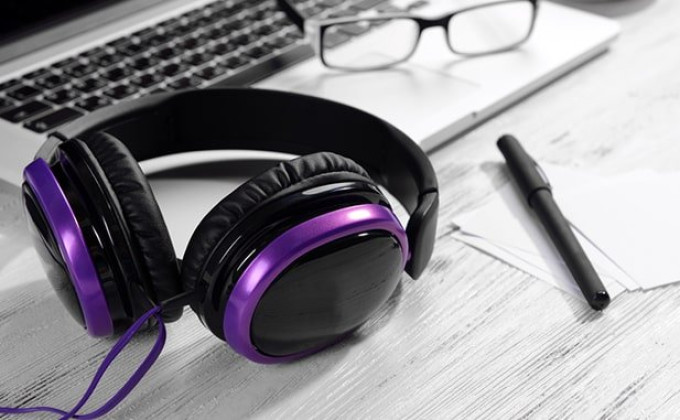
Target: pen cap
x,y
522,167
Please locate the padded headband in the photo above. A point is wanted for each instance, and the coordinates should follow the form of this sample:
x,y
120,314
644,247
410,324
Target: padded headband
x,y
255,119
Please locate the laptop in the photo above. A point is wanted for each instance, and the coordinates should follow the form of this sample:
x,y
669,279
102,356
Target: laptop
x,y
60,60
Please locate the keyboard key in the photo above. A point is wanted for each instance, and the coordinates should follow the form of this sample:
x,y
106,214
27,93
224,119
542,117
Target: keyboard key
x,y
25,111
192,14
93,102
121,91
244,39
144,33
222,48
166,53
229,11
237,7
93,52
217,33
211,72
207,20
35,74
280,24
23,92
143,63
131,48
170,24
186,82
9,84
51,81
333,39
216,6
52,120
264,14
173,69
353,29
89,85
148,79
4,103
193,24
235,62
258,51
193,42
62,96
197,59
180,30
117,73
235,25
280,19
265,30
296,34
158,39
118,42
107,59
282,41
80,69
66,62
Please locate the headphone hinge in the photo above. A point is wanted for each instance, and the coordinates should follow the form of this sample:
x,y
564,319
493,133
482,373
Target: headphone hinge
x,y
421,230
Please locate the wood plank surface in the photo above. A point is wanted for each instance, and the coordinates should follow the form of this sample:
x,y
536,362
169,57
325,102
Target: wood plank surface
x,y
474,338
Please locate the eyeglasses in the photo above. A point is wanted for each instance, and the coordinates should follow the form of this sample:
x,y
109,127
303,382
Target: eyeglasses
x,y
476,30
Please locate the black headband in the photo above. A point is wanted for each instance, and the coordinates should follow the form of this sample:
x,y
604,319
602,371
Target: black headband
x,y
254,119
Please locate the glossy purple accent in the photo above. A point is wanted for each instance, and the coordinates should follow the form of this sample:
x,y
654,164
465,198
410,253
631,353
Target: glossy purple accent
x,y
71,242
282,252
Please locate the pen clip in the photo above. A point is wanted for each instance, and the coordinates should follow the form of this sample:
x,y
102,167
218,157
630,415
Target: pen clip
x,y
542,173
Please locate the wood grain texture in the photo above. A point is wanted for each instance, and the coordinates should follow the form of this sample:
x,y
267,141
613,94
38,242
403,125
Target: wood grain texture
x,y
473,338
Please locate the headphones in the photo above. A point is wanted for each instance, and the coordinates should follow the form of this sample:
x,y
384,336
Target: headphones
x,y
290,262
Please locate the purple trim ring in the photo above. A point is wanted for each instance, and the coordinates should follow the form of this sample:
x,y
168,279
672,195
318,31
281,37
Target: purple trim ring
x,y
282,252
72,247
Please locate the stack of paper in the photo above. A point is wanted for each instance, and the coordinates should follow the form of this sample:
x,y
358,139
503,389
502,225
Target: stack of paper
x,y
629,225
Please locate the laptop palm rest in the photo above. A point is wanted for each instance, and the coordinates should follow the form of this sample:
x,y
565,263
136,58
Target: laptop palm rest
x,y
400,95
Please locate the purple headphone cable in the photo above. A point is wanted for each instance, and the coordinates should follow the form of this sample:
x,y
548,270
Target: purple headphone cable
x,y
134,379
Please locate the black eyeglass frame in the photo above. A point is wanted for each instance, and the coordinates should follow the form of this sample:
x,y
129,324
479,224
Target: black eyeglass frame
x,y
316,29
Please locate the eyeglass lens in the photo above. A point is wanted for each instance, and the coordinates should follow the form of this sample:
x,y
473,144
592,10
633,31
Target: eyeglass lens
x,y
394,42
490,28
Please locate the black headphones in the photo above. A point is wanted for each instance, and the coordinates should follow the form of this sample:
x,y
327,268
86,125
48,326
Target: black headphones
x,y
290,262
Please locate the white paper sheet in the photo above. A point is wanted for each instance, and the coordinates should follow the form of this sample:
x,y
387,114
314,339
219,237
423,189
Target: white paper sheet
x,y
636,220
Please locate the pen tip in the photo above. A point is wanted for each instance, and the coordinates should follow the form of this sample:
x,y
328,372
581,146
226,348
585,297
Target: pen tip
x,y
600,300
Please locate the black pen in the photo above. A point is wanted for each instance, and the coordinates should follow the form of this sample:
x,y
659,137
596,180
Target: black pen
x,y
535,187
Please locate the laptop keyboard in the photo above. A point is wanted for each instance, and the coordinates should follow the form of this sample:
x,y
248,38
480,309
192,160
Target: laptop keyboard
x,y
223,43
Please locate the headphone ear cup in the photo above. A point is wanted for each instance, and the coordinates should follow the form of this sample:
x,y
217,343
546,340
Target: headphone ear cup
x,y
150,239
295,259
257,208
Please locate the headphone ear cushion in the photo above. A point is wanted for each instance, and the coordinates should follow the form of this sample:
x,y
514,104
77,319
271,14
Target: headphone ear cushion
x,y
312,170
143,216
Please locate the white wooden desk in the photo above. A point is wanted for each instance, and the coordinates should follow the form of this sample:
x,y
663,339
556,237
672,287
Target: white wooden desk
x,y
473,338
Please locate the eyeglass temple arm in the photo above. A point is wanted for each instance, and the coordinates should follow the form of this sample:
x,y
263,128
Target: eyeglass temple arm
x,y
293,14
